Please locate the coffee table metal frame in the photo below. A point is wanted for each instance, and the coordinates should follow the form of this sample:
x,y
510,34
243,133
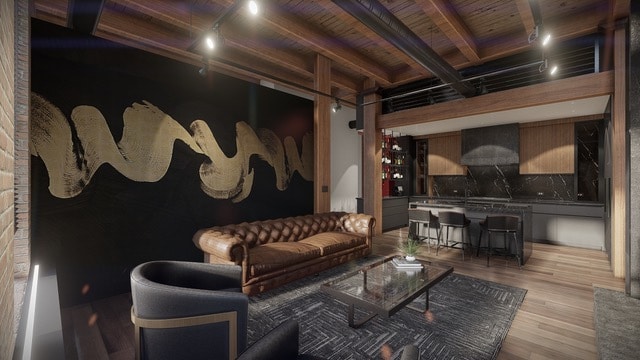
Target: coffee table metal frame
x,y
382,289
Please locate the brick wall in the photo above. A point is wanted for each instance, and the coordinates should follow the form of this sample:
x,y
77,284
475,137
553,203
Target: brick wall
x,y
7,338
22,246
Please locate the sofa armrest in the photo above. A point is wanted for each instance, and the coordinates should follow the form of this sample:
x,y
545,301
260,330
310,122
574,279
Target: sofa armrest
x,y
222,246
359,223
281,343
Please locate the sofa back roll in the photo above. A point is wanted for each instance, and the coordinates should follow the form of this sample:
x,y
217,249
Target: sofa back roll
x,y
287,229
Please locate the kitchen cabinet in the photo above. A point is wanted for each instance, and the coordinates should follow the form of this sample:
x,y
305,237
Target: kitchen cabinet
x,y
547,148
444,155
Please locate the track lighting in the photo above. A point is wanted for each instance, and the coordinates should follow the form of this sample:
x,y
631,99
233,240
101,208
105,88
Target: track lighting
x,y
534,34
203,70
336,106
545,65
213,38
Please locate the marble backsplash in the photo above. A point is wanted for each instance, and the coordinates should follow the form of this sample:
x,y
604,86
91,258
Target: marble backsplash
x,y
504,181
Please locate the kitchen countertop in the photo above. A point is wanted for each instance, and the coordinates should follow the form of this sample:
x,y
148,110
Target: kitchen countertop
x,y
462,200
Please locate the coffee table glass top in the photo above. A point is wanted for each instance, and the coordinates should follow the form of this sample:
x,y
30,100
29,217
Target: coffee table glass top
x,y
384,286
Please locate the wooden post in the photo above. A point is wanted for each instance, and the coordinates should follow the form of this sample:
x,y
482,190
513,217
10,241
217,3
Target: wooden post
x,y
372,158
322,136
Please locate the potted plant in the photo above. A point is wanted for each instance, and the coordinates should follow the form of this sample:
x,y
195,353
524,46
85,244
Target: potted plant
x,y
410,247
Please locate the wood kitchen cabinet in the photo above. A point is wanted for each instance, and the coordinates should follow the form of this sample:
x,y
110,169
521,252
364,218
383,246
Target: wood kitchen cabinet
x,y
547,148
444,155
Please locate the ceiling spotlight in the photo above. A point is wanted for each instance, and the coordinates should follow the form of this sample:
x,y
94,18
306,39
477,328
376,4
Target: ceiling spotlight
x,y
253,7
211,43
545,65
336,106
546,40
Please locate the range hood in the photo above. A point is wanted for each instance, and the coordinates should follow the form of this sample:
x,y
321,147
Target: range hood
x,y
491,145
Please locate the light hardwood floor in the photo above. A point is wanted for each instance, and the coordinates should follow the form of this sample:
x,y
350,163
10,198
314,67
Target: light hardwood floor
x,y
555,320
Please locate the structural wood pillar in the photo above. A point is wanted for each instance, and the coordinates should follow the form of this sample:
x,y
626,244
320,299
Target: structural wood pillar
x,y
632,250
619,155
372,157
322,136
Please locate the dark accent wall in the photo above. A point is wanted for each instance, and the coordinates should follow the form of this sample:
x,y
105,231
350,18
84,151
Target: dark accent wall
x,y
96,236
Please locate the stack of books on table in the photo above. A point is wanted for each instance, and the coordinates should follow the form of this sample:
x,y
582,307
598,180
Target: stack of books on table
x,y
404,264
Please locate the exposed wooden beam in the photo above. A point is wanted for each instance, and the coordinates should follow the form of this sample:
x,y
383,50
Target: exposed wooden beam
x,y
578,87
524,9
562,28
154,39
55,11
237,38
447,20
375,38
317,41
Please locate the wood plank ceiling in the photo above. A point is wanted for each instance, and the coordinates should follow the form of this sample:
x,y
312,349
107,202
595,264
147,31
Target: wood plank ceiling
x,y
281,43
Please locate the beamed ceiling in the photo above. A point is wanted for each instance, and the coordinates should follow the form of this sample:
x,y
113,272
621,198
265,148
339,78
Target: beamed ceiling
x,y
281,44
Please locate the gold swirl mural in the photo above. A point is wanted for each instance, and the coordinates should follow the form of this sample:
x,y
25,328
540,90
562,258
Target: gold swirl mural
x,y
73,150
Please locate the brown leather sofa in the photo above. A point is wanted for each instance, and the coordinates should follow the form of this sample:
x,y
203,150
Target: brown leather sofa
x,y
274,252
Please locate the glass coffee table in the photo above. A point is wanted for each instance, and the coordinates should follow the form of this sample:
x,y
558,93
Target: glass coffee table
x,y
383,289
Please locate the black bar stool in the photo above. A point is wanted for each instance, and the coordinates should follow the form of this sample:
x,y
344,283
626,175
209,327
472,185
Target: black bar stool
x,y
506,225
424,219
455,220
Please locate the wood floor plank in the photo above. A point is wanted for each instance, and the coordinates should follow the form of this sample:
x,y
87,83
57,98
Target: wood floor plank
x,y
555,320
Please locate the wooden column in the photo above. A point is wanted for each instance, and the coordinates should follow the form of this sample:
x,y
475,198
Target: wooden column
x,y
632,73
372,158
322,136
619,156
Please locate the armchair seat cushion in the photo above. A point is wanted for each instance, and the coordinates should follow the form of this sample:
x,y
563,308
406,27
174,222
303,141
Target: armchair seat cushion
x,y
334,241
274,256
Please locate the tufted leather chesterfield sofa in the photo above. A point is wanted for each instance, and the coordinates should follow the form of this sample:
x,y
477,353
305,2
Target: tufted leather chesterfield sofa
x,y
275,252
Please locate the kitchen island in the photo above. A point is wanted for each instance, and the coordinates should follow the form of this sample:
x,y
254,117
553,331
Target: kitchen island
x,y
479,210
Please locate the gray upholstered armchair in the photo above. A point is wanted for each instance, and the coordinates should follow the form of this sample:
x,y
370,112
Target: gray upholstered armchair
x,y
186,310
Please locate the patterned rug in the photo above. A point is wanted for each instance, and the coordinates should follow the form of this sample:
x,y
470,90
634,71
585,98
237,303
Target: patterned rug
x,y
468,319
617,321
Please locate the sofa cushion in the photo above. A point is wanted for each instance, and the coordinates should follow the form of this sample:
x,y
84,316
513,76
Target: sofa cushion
x,y
273,256
334,241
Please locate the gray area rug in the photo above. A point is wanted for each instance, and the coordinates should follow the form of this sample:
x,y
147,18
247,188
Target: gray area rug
x,y
469,319
617,321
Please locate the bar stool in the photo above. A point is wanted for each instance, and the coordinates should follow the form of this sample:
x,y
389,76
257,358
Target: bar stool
x,y
424,219
455,220
504,224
